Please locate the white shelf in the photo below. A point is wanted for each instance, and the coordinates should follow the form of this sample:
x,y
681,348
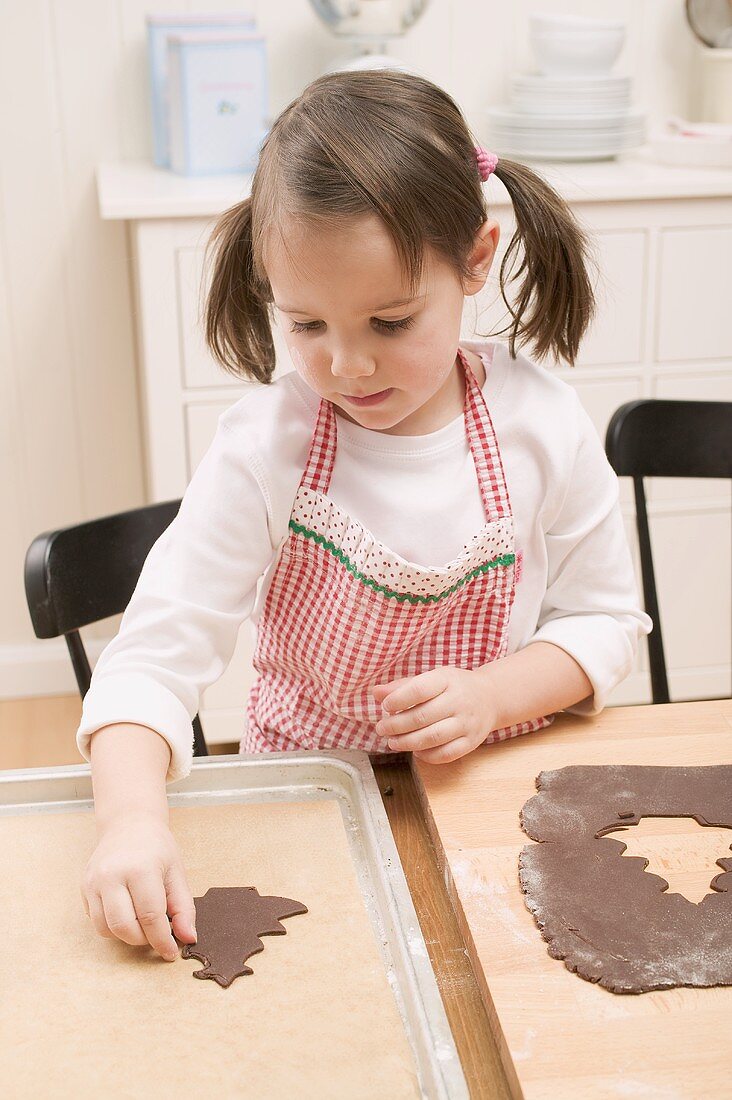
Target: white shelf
x,y
135,190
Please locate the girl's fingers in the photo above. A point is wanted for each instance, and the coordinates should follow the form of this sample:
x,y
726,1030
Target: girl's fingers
x,y
415,690
181,907
150,902
418,717
428,738
380,691
98,919
120,916
443,754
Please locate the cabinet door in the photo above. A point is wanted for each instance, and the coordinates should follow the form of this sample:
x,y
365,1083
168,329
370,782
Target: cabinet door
x,y
695,280
691,555
619,277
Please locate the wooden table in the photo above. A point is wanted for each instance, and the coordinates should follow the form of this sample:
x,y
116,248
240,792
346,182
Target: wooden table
x,y
461,996
456,807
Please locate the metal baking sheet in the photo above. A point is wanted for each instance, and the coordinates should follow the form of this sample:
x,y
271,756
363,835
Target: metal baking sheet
x,y
290,776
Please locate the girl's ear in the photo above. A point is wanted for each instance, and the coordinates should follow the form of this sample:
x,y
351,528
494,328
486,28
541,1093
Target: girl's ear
x,y
480,259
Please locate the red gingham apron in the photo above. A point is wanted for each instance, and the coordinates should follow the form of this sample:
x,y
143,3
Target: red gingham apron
x,y
343,612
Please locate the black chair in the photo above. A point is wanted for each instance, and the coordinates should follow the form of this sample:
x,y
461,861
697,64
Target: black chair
x,y
654,438
78,575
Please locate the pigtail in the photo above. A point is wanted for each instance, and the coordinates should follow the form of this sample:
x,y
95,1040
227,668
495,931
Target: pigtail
x,y
555,302
237,325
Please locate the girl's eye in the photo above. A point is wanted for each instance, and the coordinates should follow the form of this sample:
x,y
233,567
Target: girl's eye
x,y
394,326
385,326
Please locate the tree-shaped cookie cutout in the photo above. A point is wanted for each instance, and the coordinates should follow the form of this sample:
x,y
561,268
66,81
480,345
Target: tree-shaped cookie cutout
x,y
229,922
680,850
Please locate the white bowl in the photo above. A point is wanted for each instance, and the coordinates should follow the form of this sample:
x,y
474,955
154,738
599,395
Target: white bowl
x,y
573,54
543,23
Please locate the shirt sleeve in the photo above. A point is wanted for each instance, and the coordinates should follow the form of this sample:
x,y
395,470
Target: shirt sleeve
x,y
591,608
196,587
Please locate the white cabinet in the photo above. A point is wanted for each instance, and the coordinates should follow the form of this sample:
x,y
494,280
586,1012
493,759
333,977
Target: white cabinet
x,y
662,244
694,291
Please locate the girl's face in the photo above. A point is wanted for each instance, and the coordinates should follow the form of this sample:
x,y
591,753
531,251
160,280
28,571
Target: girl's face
x,y
353,331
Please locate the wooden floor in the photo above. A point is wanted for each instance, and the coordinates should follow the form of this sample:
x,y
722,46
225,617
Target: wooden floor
x,y
40,732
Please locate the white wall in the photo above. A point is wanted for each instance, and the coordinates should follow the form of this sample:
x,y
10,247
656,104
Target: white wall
x,y
73,92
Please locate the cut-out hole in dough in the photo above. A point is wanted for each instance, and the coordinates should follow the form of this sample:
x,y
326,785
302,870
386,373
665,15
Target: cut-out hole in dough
x,y
679,850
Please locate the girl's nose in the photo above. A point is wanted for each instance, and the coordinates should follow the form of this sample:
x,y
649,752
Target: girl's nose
x,y
351,365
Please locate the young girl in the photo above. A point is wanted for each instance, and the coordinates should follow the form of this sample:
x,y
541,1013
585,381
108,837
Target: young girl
x,y
424,530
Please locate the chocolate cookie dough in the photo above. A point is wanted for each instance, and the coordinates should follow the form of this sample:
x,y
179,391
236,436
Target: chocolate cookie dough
x,y
229,922
610,920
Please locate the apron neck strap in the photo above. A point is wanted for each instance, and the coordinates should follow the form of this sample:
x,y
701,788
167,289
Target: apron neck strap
x,y
484,446
321,457
481,439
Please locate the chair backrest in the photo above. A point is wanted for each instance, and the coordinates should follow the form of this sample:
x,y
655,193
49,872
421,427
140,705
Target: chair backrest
x,y
655,438
78,575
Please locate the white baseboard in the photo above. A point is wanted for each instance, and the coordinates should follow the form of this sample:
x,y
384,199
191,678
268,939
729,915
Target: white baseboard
x,y
42,668
684,683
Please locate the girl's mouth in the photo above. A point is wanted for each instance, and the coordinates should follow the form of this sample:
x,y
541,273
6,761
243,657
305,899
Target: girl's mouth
x,y
372,399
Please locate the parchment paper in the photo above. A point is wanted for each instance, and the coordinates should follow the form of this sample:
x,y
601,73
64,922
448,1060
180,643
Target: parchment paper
x,y
85,1016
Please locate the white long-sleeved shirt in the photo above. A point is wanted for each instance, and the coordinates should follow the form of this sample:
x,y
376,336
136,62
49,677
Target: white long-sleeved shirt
x,y
419,495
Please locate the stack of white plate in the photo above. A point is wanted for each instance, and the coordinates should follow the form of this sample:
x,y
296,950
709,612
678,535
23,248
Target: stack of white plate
x,y
587,134
573,109
535,94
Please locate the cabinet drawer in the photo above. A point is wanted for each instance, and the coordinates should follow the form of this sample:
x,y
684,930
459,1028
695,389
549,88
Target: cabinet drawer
x,y
694,280
615,337
691,555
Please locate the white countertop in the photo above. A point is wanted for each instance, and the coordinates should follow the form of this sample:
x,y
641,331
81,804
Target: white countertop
x,y
135,189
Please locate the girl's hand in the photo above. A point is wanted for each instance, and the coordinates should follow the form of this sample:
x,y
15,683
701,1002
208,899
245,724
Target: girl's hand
x,y
135,875
439,715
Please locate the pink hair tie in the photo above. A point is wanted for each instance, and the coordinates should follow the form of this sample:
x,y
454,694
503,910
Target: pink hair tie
x,y
486,162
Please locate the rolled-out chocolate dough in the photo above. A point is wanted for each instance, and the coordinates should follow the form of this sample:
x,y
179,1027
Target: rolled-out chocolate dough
x,y
229,922
609,919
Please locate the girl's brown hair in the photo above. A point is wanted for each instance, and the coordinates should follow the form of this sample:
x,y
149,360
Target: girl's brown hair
x,y
392,144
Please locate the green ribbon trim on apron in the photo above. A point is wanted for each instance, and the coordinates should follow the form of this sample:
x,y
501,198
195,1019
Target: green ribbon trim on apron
x,y
501,560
